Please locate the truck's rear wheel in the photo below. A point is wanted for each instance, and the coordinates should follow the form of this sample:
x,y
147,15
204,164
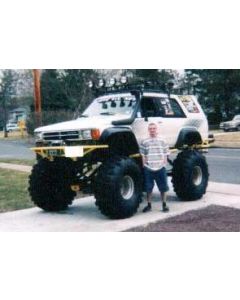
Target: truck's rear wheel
x,y
190,175
118,188
50,184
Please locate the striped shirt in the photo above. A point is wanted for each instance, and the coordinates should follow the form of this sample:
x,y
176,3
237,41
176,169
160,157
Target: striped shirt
x,y
155,152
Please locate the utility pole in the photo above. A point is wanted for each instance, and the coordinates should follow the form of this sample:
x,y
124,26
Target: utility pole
x,y
5,117
37,97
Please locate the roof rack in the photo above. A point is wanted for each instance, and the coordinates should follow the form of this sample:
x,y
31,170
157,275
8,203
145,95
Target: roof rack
x,y
130,87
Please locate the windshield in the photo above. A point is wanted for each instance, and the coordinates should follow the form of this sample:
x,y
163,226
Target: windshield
x,y
236,118
111,105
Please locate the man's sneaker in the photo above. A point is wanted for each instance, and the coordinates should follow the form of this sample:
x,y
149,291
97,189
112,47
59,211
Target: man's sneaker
x,y
147,208
165,208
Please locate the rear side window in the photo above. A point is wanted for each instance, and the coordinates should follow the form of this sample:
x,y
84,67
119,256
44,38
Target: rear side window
x,y
161,107
189,103
178,112
169,108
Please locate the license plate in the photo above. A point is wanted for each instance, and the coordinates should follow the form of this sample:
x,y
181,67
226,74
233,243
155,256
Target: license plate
x,y
52,152
74,151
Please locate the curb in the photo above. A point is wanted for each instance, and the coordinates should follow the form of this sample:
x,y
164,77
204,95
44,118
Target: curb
x,y
83,216
21,168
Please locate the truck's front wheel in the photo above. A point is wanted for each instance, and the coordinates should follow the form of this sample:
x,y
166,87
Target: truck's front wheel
x,y
118,188
50,184
190,175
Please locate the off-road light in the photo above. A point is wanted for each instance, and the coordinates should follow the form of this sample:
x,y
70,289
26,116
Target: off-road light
x,y
122,103
104,105
112,82
113,103
90,84
170,84
101,83
123,80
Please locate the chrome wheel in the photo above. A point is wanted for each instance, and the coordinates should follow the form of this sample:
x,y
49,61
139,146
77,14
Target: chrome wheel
x,y
127,187
197,175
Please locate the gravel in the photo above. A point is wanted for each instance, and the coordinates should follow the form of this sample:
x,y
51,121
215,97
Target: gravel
x,y
214,218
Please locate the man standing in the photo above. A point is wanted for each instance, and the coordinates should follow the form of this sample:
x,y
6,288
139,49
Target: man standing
x,y
154,153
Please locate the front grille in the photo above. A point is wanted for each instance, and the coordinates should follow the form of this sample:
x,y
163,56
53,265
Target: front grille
x,y
61,136
226,125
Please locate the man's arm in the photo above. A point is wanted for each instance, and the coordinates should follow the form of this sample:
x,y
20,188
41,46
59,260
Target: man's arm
x,y
166,152
143,152
144,159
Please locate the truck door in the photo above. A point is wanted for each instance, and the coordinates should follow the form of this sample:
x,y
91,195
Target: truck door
x,y
166,113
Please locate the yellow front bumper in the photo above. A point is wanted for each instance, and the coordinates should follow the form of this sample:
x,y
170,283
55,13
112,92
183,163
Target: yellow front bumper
x,y
66,151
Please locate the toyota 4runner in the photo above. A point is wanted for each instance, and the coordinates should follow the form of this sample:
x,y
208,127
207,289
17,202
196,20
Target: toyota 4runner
x,y
98,153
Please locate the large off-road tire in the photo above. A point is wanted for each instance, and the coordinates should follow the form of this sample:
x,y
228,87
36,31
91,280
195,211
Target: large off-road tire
x,y
50,184
190,175
118,188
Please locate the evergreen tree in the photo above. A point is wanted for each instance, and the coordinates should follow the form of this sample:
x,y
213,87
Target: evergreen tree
x,y
52,91
160,76
7,92
219,91
66,89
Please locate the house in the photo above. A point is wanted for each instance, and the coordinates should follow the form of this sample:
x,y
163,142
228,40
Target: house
x,y
18,114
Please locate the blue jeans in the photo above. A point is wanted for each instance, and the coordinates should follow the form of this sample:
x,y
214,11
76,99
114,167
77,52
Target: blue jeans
x,y
160,177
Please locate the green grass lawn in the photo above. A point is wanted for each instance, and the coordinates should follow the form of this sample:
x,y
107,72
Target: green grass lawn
x,y
27,162
14,190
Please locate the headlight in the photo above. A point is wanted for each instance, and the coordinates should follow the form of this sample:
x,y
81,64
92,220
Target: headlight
x,y
38,135
86,134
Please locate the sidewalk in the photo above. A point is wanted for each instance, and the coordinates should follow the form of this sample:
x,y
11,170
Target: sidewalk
x,y
83,215
15,167
229,140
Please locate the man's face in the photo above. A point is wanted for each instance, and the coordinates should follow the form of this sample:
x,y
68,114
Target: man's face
x,y
152,129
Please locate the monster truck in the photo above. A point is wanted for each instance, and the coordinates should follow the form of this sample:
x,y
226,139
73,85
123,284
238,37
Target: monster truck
x,y
98,153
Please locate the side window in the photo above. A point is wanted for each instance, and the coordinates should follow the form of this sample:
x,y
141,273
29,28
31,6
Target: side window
x,y
150,108
177,110
169,108
161,107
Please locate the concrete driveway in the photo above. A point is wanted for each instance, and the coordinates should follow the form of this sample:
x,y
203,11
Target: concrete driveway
x,y
83,215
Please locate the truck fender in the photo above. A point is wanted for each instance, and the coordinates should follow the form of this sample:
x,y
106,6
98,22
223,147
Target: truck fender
x,y
188,136
121,140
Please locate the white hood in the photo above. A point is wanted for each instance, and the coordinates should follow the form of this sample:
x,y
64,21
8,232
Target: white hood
x,y
98,122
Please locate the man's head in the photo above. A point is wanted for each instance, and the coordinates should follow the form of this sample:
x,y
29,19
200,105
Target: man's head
x,y
153,130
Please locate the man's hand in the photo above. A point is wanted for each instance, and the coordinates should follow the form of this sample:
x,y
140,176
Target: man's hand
x,y
144,160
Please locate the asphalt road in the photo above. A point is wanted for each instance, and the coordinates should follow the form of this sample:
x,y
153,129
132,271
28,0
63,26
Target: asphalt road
x,y
224,164
16,149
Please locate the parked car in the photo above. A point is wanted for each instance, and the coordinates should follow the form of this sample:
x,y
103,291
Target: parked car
x,y
12,127
231,125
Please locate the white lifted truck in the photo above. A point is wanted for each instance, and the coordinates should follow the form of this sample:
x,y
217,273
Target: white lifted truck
x,y
98,153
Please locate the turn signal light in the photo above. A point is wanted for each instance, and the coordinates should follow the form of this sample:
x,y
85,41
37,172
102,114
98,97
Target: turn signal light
x,y
95,134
